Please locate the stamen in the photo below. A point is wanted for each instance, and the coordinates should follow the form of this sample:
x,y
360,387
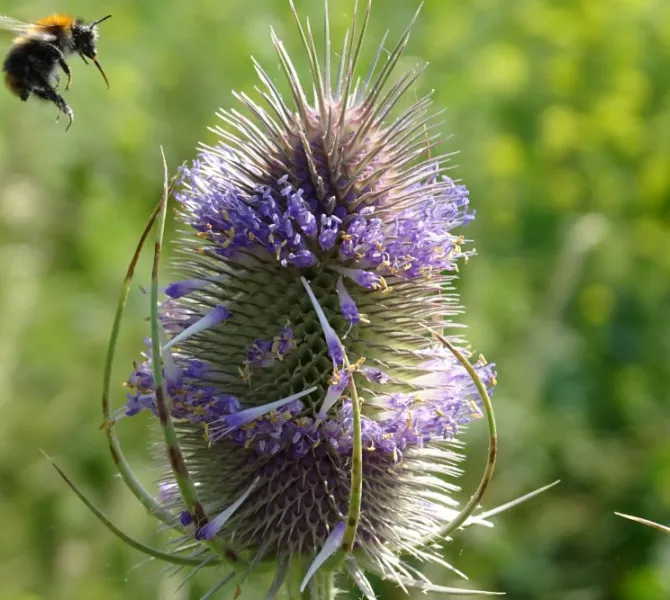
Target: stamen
x,y
331,546
211,319
335,348
208,531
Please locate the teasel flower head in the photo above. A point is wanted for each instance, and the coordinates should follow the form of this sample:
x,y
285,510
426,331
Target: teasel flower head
x,y
311,408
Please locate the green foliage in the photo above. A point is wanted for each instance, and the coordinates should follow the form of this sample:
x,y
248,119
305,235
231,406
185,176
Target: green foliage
x,y
561,110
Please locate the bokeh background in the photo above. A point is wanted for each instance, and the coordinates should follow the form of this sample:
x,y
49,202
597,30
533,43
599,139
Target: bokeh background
x,y
561,112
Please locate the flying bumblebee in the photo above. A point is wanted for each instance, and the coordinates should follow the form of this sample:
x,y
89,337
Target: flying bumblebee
x,y
32,62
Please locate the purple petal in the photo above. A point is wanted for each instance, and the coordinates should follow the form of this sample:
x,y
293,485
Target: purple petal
x,y
335,389
207,532
348,307
331,545
335,348
211,319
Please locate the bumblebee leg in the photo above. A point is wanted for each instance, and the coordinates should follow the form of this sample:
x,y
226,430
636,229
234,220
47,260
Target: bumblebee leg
x,y
52,96
60,57
66,70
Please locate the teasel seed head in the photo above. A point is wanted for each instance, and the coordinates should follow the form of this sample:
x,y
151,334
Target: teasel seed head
x,y
310,415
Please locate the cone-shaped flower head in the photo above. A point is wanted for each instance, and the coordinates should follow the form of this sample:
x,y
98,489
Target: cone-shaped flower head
x,y
314,411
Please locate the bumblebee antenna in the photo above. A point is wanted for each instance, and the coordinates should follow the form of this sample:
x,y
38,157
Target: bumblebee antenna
x,y
96,23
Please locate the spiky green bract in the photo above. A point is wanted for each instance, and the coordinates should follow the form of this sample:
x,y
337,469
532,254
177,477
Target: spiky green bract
x,y
653,524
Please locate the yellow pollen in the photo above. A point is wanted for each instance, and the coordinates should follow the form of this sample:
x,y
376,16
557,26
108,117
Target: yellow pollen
x,y
245,373
476,411
334,378
357,365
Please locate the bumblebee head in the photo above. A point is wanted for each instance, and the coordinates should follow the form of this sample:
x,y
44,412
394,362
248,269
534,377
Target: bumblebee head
x,y
84,38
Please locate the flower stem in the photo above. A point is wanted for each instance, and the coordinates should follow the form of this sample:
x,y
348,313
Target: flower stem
x,y
354,513
487,475
118,456
175,456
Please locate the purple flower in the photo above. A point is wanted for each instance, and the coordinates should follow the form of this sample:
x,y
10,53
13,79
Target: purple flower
x,y
321,240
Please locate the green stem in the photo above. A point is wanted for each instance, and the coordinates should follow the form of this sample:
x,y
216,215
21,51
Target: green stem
x,y
356,491
175,456
148,550
177,462
476,498
118,456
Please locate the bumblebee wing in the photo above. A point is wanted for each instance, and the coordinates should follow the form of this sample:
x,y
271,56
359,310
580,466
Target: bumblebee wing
x,y
16,26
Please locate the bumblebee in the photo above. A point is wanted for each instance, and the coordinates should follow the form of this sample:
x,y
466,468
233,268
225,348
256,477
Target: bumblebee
x,y
31,65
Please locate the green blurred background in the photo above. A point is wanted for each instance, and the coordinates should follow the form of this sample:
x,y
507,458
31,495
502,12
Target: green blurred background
x,y
561,111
